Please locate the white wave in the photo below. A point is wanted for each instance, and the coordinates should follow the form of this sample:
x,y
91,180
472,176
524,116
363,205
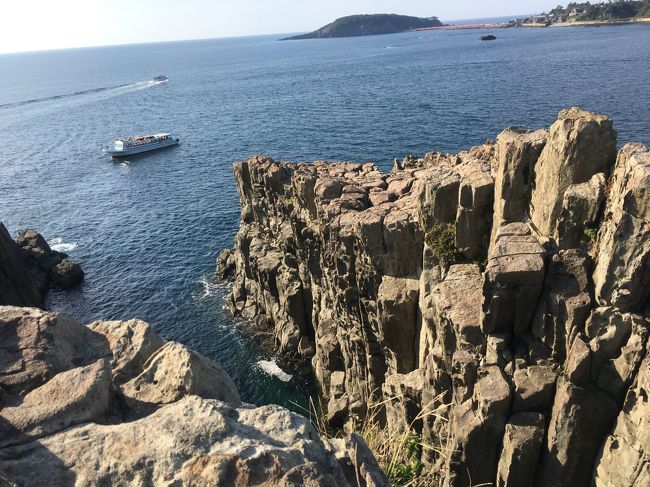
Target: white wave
x,y
271,368
58,245
208,287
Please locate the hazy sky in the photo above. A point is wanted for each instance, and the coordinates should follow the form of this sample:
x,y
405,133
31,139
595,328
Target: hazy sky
x,y
27,25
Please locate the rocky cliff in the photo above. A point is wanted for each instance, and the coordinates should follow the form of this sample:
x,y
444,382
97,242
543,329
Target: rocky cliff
x,y
29,268
113,404
494,301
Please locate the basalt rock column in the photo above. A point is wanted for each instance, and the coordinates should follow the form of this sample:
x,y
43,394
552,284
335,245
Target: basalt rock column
x,y
580,144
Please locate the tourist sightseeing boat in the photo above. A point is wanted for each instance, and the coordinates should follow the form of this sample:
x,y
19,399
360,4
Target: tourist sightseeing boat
x,y
140,143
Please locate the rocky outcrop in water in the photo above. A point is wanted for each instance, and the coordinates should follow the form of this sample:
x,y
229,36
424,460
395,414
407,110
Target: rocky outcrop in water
x,y
113,404
495,301
29,268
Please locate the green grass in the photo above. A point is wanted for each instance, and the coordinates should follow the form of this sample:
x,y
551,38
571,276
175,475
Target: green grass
x,y
441,238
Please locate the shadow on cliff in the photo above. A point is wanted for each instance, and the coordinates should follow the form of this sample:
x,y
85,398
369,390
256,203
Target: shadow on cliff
x,y
51,470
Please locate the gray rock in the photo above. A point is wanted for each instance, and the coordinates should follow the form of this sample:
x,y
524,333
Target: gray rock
x,y
514,279
580,144
518,152
622,273
522,441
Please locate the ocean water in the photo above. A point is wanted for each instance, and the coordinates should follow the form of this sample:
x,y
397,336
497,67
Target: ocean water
x,y
147,230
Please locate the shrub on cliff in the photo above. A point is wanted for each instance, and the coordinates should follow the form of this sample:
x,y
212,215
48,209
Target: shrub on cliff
x,y
442,241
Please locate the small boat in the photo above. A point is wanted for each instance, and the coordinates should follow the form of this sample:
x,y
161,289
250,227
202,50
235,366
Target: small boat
x,y
160,78
139,144
488,38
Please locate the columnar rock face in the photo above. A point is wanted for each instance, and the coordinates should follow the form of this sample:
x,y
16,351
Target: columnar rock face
x,y
518,151
622,275
29,267
458,295
113,404
580,145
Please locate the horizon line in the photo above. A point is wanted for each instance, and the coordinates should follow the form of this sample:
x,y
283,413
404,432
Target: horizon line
x,y
195,39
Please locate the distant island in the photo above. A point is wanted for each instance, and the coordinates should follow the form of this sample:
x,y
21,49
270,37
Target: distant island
x,y
367,25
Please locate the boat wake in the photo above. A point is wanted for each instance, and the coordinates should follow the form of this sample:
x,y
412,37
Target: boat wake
x,y
123,87
271,368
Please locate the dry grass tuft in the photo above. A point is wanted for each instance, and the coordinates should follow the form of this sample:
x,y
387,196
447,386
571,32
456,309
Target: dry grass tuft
x,y
400,453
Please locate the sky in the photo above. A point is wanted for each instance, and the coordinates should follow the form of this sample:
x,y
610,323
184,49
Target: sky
x,y
29,25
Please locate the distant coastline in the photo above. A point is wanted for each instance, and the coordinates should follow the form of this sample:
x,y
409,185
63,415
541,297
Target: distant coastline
x,y
366,25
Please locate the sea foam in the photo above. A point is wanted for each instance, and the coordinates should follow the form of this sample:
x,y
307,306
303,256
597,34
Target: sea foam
x,y
271,368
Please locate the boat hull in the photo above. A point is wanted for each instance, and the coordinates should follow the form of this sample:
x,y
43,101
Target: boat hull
x,y
131,151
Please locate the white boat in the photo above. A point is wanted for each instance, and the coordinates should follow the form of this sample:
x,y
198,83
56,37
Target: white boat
x,y
140,143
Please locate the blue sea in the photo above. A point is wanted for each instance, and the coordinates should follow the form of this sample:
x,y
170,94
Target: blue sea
x,y
147,230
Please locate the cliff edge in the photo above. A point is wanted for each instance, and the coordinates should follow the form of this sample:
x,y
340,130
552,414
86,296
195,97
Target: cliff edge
x,y
493,303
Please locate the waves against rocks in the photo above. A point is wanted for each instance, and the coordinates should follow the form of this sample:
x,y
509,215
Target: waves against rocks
x,y
504,288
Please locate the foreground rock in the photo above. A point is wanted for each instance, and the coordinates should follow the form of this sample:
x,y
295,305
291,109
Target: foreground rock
x,y
494,301
115,405
29,268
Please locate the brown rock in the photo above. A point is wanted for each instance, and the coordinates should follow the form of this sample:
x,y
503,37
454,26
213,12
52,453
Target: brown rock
x,y
175,371
622,274
132,343
518,151
580,144
38,345
513,280
522,441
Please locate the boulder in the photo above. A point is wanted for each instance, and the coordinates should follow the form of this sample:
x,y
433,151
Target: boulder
x,y
191,442
174,371
132,343
38,345
73,397
61,419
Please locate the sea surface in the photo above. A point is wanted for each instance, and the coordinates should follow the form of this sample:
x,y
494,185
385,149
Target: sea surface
x,y
147,230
